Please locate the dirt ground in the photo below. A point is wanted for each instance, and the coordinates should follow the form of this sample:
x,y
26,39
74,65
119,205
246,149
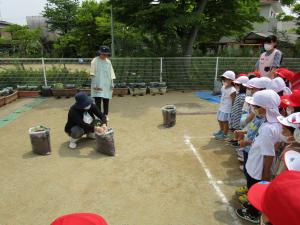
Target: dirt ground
x,y
175,176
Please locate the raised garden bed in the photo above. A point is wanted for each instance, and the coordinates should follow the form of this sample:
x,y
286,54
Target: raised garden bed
x,y
120,89
59,90
28,91
85,90
10,98
2,101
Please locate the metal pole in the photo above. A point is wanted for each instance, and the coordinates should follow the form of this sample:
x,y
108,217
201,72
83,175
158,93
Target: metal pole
x,y
112,32
217,69
161,70
44,70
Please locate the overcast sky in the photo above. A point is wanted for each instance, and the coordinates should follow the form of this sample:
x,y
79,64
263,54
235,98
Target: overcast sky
x,y
15,11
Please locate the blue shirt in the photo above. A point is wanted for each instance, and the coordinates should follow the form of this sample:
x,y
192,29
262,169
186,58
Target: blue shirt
x,y
253,130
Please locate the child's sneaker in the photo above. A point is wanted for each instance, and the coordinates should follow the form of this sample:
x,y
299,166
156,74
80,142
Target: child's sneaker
x,y
244,214
243,199
221,137
241,191
218,133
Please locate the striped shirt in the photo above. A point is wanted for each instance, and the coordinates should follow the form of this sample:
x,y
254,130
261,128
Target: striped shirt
x,y
236,111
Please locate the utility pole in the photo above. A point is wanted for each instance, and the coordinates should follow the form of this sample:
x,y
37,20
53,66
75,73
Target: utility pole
x,y
112,32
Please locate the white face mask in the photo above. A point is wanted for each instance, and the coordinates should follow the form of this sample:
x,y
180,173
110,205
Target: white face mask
x,y
268,47
88,107
289,110
248,92
297,135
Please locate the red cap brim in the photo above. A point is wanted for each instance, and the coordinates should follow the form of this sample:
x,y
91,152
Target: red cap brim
x,y
256,194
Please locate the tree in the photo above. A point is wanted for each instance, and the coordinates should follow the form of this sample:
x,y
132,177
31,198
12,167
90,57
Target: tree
x,y
61,14
25,42
180,25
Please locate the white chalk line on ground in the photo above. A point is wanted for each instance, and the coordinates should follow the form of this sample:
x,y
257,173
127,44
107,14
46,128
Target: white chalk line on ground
x,y
212,181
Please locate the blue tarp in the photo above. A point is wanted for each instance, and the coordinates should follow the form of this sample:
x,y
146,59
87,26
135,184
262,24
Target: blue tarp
x,y
208,96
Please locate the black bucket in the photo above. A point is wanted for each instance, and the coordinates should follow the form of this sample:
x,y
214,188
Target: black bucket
x,y
169,115
40,141
105,143
46,91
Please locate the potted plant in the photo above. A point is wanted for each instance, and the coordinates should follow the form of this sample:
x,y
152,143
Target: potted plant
x,y
120,89
157,88
3,93
27,91
46,91
137,89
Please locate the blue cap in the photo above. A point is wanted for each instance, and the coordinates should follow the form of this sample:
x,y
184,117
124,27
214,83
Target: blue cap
x,y
104,50
82,100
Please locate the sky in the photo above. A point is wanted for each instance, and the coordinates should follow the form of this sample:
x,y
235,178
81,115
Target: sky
x,y
15,11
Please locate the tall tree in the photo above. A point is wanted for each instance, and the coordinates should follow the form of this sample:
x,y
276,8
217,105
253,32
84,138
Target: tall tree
x,y
61,14
188,22
25,42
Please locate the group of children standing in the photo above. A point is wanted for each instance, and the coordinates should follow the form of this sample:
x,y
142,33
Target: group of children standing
x,y
261,118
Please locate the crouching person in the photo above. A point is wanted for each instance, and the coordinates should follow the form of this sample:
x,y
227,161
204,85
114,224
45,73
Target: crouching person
x,y
82,119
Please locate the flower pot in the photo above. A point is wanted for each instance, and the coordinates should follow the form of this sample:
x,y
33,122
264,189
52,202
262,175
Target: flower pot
x,y
157,90
85,90
28,94
64,92
46,91
2,101
10,98
120,91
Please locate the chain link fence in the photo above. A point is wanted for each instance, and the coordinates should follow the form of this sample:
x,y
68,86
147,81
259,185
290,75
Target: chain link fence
x,y
196,73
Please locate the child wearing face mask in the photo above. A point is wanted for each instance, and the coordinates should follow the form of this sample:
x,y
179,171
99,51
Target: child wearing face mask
x,y
82,119
262,153
227,99
289,126
271,59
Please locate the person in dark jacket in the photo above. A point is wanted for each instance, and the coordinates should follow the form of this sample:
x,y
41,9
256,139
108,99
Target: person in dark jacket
x,y
82,118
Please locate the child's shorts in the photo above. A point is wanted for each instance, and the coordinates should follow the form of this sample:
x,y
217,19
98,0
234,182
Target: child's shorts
x,y
221,116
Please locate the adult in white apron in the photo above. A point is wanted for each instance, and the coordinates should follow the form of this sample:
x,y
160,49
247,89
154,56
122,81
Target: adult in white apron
x,y
102,77
271,59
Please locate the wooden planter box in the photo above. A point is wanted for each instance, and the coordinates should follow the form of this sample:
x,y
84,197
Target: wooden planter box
x,y
28,94
85,90
2,101
11,98
120,91
64,92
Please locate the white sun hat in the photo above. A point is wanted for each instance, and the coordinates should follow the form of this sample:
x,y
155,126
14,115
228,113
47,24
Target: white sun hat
x,y
284,121
269,100
279,85
229,75
260,83
294,118
241,80
292,160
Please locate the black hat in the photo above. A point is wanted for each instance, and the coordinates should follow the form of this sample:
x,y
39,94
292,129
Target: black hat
x,y
104,50
82,100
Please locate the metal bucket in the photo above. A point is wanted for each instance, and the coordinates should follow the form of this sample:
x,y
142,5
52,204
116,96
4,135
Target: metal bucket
x,y
169,115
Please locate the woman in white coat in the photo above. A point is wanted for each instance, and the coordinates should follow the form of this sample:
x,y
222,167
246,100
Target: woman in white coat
x,y
102,79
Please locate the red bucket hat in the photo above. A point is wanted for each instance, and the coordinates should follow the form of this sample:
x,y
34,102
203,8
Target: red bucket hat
x,y
80,219
285,73
296,81
278,200
292,100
